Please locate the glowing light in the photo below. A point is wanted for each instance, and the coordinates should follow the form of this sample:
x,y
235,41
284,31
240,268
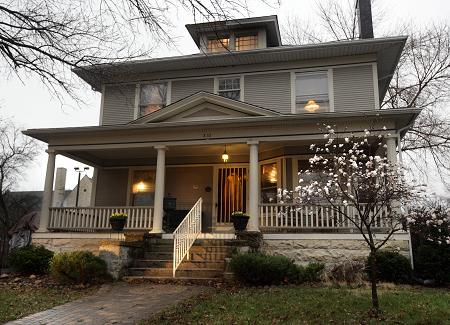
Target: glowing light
x,y
225,156
311,106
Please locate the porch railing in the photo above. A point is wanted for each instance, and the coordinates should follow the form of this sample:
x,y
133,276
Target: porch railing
x,y
97,218
186,233
314,216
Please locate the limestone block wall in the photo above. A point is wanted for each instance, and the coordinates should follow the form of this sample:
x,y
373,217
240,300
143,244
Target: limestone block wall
x,y
328,251
118,255
67,242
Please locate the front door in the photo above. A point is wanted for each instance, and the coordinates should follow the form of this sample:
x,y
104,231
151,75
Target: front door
x,y
231,192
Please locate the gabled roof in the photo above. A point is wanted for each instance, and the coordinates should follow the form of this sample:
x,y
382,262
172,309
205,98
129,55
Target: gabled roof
x,y
204,106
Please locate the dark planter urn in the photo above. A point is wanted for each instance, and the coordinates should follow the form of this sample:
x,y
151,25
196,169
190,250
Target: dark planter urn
x,y
117,224
240,222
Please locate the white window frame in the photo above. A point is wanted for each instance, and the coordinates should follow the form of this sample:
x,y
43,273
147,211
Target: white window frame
x,y
137,94
241,84
329,72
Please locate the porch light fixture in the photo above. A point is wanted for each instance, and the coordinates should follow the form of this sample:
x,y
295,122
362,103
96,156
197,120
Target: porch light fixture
x,y
225,156
311,106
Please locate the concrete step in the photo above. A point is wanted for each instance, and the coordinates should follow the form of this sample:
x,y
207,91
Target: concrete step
x,y
158,248
167,272
164,279
210,242
143,263
202,256
158,255
210,249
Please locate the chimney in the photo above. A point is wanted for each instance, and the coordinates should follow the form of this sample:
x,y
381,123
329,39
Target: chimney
x,y
364,14
60,187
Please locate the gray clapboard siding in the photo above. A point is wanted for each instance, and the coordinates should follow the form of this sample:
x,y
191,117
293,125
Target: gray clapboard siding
x,y
353,89
271,90
118,104
184,88
111,189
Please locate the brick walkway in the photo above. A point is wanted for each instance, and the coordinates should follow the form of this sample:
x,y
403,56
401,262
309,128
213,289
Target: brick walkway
x,y
119,303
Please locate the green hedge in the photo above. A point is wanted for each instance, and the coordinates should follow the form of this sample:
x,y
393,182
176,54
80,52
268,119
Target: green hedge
x,y
433,262
392,267
30,259
261,269
78,267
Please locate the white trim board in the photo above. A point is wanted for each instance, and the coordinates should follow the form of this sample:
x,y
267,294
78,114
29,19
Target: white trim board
x,y
77,235
325,236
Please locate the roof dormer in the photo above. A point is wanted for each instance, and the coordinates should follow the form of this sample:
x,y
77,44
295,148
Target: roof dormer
x,y
236,35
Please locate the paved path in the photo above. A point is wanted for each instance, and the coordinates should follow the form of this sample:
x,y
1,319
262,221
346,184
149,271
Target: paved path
x,y
120,303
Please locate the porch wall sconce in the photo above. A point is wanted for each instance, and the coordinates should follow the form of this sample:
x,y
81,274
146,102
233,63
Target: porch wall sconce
x,y
225,156
311,106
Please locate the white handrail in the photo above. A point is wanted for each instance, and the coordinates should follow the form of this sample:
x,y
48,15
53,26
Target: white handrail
x,y
186,234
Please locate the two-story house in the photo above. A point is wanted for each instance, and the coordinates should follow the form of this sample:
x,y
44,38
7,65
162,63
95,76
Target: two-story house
x,y
229,125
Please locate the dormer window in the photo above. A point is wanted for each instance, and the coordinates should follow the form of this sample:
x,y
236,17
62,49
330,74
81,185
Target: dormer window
x,y
246,42
152,97
230,88
218,45
311,92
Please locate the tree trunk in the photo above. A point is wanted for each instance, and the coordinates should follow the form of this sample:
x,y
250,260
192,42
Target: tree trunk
x,y
373,282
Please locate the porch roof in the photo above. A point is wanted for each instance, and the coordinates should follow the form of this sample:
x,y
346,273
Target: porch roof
x,y
402,118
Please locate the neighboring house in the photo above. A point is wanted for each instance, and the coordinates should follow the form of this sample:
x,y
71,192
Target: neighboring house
x,y
166,124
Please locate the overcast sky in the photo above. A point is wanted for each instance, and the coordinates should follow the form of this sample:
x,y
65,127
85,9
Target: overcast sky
x,y
29,103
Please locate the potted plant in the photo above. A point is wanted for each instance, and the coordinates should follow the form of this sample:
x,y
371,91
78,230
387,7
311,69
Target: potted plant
x,y
239,220
118,221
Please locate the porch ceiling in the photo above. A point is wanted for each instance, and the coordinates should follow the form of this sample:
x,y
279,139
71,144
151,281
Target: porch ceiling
x,y
177,155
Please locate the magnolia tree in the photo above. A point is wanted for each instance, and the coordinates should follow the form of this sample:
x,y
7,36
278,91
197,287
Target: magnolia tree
x,y
353,176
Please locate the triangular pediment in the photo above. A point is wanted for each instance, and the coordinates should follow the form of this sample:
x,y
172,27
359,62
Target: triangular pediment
x,y
204,106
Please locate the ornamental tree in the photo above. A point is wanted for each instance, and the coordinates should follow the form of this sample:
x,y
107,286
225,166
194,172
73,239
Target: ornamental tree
x,y
352,175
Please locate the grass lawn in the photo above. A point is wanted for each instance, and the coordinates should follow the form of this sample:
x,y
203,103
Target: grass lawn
x,y
17,302
311,305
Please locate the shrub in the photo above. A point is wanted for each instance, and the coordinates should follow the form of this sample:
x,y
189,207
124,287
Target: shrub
x,y
350,272
78,267
392,267
261,269
311,273
433,262
30,259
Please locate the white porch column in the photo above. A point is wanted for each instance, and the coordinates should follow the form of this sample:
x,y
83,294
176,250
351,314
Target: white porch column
x,y
253,223
158,211
391,150
48,192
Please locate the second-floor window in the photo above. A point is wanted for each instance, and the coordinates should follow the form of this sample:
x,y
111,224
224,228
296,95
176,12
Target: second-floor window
x,y
230,88
152,97
311,92
246,42
218,45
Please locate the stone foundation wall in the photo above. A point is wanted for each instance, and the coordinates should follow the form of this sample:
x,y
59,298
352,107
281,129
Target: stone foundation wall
x,y
58,245
118,256
328,251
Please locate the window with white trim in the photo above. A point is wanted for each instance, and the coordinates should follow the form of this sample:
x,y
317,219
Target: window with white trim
x,y
230,88
217,45
246,42
311,92
152,98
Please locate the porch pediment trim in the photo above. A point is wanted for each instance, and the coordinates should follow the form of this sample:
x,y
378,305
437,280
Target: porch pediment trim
x,y
204,106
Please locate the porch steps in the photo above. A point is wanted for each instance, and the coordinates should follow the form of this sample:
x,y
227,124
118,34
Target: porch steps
x,y
206,262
